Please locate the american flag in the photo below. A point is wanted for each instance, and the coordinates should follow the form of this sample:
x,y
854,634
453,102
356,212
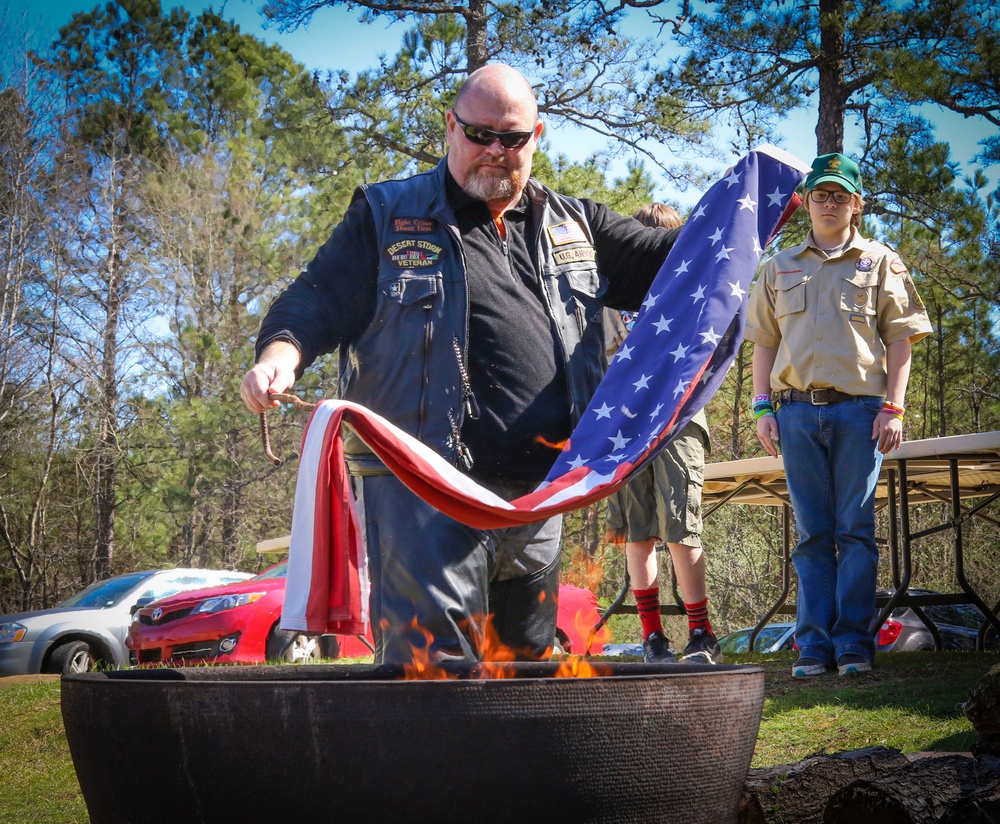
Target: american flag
x,y
685,337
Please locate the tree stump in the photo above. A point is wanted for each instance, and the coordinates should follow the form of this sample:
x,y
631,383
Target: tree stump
x,y
798,792
983,709
924,791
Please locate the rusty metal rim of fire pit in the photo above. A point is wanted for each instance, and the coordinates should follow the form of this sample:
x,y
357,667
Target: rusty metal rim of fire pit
x,y
450,670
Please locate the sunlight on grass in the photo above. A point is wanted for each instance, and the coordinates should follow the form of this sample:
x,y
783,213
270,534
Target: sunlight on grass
x,y
790,736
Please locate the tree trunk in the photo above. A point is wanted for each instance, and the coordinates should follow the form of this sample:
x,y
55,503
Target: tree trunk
x,y
832,96
476,48
799,792
922,792
108,440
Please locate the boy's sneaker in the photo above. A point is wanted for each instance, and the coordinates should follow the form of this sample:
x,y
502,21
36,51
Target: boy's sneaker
x,y
702,648
851,664
805,667
656,649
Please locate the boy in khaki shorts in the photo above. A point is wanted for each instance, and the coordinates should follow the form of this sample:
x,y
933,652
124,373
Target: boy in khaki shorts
x,y
662,502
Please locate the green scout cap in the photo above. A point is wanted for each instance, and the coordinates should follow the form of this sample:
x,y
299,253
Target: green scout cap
x,y
837,168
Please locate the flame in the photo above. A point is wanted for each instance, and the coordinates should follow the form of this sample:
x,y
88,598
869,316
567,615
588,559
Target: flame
x,y
575,666
556,445
422,668
497,658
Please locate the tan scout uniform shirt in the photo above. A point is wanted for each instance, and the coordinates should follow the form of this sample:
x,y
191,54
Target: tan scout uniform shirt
x,y
831,318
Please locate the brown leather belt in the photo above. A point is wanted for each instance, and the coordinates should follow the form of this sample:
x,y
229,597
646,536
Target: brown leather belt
x,y
817,397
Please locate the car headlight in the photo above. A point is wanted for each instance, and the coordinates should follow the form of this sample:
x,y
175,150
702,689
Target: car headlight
x,y
223,602
12,631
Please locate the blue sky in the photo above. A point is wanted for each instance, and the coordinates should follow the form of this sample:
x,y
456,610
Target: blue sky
x,y
335,39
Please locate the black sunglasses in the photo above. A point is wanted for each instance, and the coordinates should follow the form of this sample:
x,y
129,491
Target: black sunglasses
x,y
484,137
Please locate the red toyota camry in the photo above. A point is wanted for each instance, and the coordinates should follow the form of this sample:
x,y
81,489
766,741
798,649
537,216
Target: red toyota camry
x,y
238,623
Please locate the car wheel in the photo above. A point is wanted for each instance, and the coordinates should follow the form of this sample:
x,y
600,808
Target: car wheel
x,y
291,647
72,658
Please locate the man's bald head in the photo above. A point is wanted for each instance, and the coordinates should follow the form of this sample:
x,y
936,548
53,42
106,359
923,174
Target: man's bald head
x,y
500,87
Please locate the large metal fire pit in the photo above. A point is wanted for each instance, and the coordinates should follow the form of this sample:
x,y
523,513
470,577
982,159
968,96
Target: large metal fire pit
x,y
640,742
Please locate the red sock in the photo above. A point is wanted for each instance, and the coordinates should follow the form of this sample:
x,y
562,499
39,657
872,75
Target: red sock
x,y
647,602
698,616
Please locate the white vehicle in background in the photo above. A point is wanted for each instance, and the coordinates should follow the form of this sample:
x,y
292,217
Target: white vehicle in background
x,y
88,630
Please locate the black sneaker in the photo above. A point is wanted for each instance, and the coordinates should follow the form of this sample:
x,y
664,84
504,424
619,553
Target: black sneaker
x,y
702,648
656,649
806,667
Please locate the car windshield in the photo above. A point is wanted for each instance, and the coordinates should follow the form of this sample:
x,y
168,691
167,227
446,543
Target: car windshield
x,y
106,593
277,571
739,641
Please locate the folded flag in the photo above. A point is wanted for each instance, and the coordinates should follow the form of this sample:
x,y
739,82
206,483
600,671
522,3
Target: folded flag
x,y
684,339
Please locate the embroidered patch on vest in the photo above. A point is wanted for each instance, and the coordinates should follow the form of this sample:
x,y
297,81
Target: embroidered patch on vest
x,y
573,255
413,254
412,225
569,232
864,264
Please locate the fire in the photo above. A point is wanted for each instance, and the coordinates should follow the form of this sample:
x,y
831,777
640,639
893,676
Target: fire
x,y
497,660
575,666
557,445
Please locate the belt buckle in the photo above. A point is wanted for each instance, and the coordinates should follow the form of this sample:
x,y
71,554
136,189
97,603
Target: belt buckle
x,y
812,398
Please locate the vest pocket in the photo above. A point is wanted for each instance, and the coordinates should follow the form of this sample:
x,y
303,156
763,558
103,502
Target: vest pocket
x,y
407,290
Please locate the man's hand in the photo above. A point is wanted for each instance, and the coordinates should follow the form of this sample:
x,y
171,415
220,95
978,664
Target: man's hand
x,y
888,431
273,374
767,434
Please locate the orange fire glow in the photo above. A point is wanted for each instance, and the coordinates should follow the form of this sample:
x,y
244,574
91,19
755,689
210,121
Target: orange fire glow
x,y
558,445
496,659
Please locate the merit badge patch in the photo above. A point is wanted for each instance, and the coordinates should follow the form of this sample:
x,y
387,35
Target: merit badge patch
x,y
413,254
564,233
864,264
412,225
573,255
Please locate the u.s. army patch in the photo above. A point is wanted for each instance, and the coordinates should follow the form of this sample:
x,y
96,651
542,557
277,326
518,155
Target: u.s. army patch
x,y
573,255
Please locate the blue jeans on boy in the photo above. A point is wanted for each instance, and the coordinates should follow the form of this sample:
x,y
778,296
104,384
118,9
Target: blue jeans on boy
x,y
832,467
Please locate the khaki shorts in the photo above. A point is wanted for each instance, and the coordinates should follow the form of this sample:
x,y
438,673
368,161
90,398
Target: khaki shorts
x,y
663,500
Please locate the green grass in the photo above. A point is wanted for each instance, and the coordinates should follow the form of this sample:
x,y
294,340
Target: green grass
x,y
910,701
38,781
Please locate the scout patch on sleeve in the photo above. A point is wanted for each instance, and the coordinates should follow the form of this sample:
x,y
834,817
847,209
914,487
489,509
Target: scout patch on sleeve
x,y
573,255
569,232
897,267
413,254
911,292
412,225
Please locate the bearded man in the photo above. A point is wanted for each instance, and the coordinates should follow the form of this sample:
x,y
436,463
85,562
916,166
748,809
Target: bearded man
x,y
466,303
